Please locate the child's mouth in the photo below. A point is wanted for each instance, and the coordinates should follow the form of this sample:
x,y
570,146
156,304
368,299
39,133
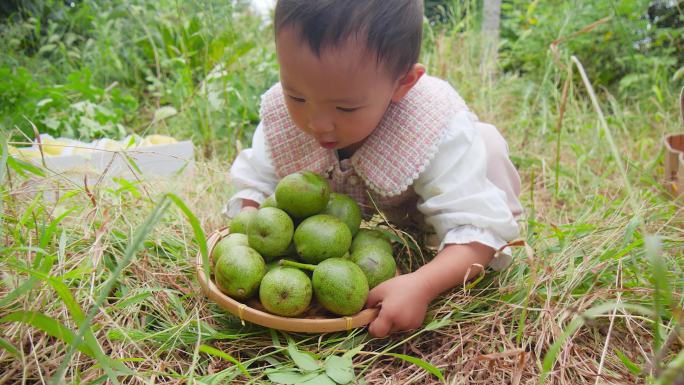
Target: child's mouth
x,y
328,145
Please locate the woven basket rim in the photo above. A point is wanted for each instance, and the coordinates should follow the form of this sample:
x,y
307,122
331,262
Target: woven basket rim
x,y
256,316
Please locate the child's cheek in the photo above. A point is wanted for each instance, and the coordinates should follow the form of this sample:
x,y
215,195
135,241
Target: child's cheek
x,y
297,116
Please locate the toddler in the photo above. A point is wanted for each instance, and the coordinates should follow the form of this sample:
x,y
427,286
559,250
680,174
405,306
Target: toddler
x,y
354,105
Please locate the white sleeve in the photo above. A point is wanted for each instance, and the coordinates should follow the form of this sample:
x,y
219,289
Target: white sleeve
x,y
457,198
252,174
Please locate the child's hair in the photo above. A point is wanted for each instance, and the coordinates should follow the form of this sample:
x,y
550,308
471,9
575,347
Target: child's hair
x,y
393,28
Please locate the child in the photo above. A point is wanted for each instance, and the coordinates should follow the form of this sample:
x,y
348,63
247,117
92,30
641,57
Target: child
x,y
354,105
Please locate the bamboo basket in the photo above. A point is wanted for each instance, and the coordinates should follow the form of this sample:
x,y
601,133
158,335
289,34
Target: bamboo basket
x,y
315,319
674,158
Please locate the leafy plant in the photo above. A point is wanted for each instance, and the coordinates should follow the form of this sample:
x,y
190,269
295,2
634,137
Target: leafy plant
x,y
106,69
334,370
621,47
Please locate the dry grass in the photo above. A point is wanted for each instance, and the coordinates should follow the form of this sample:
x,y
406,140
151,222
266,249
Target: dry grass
x,y
587,251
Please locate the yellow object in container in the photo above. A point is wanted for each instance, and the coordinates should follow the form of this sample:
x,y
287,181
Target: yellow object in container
x,y
109,145
53,147
24,153
154,140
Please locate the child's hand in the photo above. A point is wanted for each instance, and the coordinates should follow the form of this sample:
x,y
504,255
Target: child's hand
x,y
403,302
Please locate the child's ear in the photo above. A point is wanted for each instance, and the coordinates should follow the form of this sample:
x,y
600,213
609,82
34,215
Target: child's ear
x,y
407,82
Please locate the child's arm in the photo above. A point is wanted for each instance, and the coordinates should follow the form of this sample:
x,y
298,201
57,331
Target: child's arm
x,y
253,176
470,216
405,299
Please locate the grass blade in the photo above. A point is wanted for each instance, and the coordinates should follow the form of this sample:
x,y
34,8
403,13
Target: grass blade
x,y
420,363
47,324
617,154
75,311
439,323
77,315
218,353
61,289
629,364
47,233
45,266
661,289
3,166
575,324
135,299
197,228
673,369
552,353
22,167
11,349
135,244
3,160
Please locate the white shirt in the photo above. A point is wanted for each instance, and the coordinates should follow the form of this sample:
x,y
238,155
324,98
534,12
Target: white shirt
x,y
456,196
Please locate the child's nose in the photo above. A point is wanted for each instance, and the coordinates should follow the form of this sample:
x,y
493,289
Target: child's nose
x,y
320,124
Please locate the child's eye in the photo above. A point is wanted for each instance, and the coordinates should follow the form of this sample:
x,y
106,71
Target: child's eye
x,y
296,99
343,109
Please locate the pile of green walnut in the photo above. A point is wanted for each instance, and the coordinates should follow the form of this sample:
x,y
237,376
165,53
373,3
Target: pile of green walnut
x,y
304,241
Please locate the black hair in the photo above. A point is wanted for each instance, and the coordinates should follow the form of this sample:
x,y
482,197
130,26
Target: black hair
x,y
393,28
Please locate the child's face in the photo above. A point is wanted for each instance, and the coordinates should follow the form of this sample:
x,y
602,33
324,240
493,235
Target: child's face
x,y
338,98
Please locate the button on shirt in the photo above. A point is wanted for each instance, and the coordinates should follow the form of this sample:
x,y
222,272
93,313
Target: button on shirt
x,y
353,180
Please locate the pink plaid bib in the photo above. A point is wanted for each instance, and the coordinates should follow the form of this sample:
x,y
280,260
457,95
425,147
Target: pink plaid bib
x,y
381,172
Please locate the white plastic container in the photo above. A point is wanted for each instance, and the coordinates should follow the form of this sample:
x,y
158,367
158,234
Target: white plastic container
x,y
105,159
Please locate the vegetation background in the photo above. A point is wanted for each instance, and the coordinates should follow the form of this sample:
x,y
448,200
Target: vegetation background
x,y
98,281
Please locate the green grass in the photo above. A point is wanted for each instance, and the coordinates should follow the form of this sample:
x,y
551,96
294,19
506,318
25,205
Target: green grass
x,y
98,283
126,59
